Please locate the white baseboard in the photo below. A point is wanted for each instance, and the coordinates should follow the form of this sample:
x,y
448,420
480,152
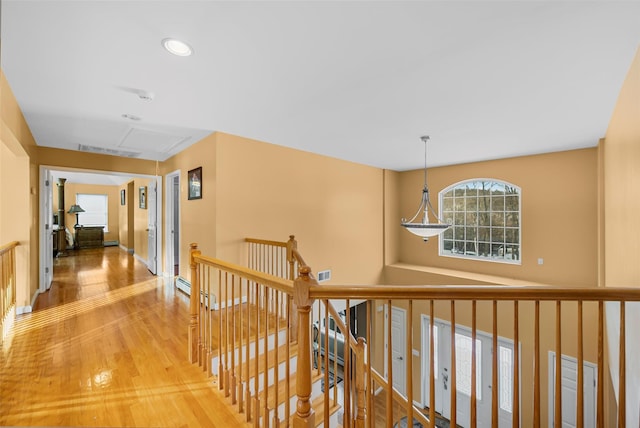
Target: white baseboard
x,y
140,259
28,309
8,322
122,247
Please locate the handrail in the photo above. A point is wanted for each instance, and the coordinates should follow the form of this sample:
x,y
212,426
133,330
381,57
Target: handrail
x,y
9,246
272,281
470,292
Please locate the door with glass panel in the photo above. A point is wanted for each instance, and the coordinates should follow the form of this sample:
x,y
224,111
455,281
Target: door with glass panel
x,y
463,350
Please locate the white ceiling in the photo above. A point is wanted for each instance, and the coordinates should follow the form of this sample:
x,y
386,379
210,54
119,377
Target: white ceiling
x,y
355,80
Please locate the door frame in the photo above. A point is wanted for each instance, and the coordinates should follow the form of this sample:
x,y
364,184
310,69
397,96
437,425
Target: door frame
x,y
170,257
46,219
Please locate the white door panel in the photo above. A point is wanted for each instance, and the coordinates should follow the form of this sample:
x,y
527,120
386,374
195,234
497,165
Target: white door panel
x,y
153,219
398,349
569,381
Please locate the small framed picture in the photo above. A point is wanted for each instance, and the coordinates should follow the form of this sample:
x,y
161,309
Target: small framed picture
x,y
123,200
142,193
195,183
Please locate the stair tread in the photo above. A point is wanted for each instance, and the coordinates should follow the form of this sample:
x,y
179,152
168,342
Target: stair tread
x,y
282,386
282,357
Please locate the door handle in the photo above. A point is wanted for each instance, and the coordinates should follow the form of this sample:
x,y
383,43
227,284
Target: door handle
x,y
400,358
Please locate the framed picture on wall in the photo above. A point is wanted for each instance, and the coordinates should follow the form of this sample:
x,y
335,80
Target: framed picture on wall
x,y
142,194
195,183
123,200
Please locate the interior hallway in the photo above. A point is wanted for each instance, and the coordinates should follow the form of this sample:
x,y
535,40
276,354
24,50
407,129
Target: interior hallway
x,y
106,346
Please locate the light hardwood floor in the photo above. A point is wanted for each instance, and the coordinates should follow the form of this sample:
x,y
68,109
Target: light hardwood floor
x,y
106,346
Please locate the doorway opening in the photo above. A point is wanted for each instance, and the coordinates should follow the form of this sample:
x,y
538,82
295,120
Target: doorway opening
x,y
172,225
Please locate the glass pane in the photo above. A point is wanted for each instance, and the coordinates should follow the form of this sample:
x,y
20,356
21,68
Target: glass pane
x,y
484,203
472,203
497,203
471,249
448,234
497,251
459,233
497,219
484,219
472,218
497,234
447,204
459,247
448,194
471,233
484,234
459,191
512,236
471,190
459,218
447,245
483,249
512,204
505,377
512,252
458,204
497,188
448,217
463,365
512,219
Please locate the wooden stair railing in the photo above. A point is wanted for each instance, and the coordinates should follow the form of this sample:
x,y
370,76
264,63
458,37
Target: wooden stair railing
x,y
7,287
262,296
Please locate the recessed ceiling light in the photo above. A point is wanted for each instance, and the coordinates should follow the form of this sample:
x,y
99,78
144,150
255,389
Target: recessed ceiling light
x,y
177,47
131,116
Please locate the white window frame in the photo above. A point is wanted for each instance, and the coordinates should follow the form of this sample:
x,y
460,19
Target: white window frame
x,y
79,201
499,250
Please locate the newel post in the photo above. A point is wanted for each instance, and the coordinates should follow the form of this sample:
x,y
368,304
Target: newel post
x,y
304,417
194,304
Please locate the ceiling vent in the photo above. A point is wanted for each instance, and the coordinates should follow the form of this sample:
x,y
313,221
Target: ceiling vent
x,y
106,151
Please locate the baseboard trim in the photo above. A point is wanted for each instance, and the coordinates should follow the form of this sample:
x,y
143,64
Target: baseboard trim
x,y
140,259
28,309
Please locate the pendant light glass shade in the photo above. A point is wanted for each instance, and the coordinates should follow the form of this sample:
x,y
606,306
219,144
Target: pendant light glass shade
x,y
424,228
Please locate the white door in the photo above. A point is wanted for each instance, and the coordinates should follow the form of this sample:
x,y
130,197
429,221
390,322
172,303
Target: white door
x,y
153,219
398,347
46,192
442,367
569,391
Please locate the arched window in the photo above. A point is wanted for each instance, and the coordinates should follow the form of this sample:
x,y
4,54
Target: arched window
x,y
485,214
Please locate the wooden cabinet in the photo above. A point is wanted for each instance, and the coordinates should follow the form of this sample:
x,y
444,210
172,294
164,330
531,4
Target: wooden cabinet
x,y
89,237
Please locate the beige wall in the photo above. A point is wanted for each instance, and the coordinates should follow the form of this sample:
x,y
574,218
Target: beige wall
x,y
559,217
113,197
18,193
621,160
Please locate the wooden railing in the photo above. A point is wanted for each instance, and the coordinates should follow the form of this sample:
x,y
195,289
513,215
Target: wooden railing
x,y
7,287
252,306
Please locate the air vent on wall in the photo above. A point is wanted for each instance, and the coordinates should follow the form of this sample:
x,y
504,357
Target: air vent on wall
x,y
106,151
324,275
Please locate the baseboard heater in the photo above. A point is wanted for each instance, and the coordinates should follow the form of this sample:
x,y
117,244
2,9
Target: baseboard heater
x,y
111,243
185,286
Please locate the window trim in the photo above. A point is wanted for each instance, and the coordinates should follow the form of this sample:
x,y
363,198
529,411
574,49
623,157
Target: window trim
x,y
480,258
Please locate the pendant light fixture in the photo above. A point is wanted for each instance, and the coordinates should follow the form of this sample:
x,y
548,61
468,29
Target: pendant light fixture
x,y
425,229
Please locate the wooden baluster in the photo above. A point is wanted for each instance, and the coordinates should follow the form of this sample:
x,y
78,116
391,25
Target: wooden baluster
x,y
370,413
232,340
409,352
227,338
536,367
580,403
515,422
256,355
494,368
220,337
335,360
474,417
287,401
622,375
360,376
203,318
193,305
265,343
240,350
291,245
276,366
558,378
247,371
432,366
347,366
389,388
304,417
325,329
210,325
452,376
600,394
